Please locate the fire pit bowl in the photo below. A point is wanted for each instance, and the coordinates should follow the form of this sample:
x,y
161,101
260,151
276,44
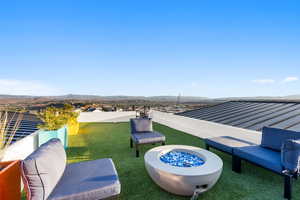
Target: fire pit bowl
x,y
181,169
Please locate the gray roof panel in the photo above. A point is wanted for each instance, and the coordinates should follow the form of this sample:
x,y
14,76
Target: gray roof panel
x,y
253,115
241,112
295,127
215,113
213,109
288,123
27,126
275,120
231,111
245,117
263,120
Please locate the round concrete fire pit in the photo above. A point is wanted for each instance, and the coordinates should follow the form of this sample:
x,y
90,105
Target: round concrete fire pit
x,y
181,169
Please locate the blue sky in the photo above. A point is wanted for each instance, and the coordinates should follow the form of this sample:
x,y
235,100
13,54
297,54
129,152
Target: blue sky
x,y
196,48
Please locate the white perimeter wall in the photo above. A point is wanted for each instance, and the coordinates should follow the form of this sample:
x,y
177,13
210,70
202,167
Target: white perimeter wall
x,y
203,129
106,116
22,148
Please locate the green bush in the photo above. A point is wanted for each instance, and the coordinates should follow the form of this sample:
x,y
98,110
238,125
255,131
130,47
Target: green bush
x,y
55,118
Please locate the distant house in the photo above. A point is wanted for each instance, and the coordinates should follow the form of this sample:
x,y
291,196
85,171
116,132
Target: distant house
x,y
90,109
97,110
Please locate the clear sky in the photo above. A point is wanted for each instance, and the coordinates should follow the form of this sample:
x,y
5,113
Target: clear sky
x,y
196,48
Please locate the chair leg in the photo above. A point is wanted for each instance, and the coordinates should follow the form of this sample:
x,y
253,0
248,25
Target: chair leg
x,y
131,143
288,187
137,152
236,164
207,147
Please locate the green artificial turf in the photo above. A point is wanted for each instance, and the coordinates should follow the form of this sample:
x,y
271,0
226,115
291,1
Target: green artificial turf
x,y
111,140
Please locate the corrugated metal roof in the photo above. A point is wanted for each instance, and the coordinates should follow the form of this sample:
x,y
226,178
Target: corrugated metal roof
x,y
253,115
27,126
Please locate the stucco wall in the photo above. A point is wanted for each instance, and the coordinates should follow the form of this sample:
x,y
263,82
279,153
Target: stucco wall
x,y
106,116
22,148
203,129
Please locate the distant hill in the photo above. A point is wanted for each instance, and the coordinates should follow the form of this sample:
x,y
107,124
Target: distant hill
x,y
102,98
120,98
293,98
11,99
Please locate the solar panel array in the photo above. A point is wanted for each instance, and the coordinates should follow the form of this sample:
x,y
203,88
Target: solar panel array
x,y
253,115
28,125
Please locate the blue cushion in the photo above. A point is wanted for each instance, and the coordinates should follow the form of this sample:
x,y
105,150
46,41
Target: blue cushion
x,y
273,138
290,155
148,137
97,179
141,125
262,156
226,143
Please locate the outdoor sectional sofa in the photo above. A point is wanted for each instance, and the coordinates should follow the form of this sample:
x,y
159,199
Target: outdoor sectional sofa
x,y
47,176
142,133
279,152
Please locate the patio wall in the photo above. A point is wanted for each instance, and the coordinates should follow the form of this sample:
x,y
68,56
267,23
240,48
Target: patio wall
x,y
106,116
203,129
22,148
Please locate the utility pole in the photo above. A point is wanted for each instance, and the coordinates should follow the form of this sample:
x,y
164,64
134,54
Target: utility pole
x,y
178,99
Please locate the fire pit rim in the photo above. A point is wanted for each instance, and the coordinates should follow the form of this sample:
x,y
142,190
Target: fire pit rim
x,y
212,162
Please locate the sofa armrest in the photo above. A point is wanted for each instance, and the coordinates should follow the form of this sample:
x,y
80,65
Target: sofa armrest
x,y
290,156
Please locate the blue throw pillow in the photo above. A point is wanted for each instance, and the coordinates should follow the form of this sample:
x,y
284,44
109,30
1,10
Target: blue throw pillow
x,y
273,138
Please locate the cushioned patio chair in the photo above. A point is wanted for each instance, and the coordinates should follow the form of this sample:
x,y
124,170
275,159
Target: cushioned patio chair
x,y
279,152
47,176
142,133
